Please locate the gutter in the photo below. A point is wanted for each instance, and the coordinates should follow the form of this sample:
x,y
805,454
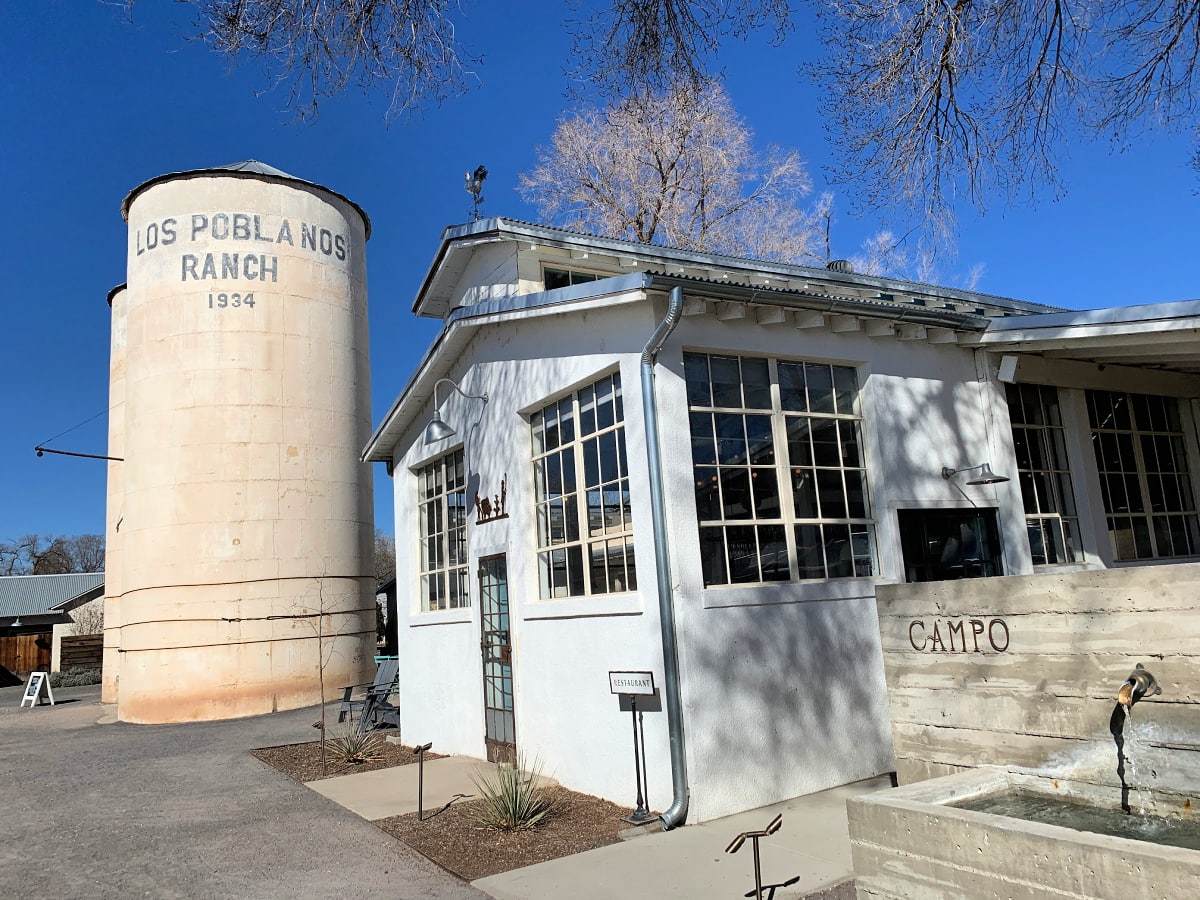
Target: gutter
x,y
677,811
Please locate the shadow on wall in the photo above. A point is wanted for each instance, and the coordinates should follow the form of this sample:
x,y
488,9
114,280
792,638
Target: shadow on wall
x,y
791,694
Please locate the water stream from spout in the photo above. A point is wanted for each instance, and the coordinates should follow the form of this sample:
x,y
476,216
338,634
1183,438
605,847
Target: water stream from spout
x,y
1135,749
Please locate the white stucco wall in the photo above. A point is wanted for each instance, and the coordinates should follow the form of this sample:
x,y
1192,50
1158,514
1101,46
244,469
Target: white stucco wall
x,y
782,685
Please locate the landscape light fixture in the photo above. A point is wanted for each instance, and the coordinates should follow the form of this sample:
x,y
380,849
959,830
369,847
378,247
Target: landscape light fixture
x,y
438,429
985,476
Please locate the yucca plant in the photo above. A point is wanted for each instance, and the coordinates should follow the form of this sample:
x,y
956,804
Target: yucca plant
x,y
513,797
355,747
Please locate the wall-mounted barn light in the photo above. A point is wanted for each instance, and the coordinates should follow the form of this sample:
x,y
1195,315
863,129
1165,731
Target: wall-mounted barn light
x,y
985,476
438,429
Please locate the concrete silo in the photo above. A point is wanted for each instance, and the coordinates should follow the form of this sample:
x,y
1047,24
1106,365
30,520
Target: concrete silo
x,y
244,530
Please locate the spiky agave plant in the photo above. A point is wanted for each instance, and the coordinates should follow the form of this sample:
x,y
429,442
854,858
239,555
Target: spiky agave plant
x,y
354,747
513,796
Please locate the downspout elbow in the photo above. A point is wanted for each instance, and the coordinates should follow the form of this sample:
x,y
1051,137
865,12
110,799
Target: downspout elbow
x,y
677,811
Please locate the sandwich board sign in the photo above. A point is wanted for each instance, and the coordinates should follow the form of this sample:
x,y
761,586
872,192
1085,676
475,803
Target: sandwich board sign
x,y
39,685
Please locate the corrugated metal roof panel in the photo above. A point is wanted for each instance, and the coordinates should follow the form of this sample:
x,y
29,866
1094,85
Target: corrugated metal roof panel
x,y
34,595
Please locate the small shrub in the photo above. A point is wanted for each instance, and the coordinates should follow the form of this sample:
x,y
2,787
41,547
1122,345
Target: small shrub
x,y
75,677
513,797
353,747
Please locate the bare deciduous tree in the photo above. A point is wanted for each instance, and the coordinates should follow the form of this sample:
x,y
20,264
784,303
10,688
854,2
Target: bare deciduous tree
x,y
385,557
320,47
89,618
677,168
34,554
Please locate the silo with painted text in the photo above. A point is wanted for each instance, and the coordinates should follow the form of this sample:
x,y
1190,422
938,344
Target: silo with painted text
x,y
246,523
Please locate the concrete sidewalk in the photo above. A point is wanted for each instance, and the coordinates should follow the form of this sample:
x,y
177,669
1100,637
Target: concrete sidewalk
x,y
691,861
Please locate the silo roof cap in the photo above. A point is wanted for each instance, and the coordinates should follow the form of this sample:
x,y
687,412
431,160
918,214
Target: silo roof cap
x,y
248,168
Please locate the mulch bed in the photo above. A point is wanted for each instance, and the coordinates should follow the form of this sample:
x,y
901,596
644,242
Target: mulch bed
x,y
452,838
303,761
458,843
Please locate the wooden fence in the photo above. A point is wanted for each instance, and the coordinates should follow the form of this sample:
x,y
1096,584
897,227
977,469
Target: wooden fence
x,y
82,651
25,653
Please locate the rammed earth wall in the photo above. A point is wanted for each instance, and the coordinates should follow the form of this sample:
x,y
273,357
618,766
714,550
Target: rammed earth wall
x,y
1023,671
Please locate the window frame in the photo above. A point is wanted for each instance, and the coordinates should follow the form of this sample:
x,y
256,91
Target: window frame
x,y
448,571
1055,471
588,276
565,463
861,549
1186,470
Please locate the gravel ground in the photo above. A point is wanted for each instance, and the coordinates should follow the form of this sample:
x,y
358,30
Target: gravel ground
x,y
179,811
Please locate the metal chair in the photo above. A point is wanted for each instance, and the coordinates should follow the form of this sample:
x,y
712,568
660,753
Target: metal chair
x,y
355,699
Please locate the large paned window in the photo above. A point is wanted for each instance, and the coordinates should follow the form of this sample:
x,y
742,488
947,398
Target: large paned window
x,y
442,510
581,475
1148,494
780,477
1039,439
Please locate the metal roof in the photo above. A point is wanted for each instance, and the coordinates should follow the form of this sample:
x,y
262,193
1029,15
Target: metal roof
x,y
432,298
40,595
247,168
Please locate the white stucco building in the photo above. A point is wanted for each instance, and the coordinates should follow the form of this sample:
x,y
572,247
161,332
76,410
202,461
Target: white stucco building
x,y
819,434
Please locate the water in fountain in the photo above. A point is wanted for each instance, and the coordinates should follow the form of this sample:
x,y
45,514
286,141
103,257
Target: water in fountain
x,y
1035,806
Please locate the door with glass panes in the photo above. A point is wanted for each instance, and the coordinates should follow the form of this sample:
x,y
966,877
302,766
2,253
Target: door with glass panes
x,y
496,645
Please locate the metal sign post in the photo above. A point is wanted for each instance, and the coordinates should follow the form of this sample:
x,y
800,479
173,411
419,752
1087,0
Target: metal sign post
x,y
420,751
631,685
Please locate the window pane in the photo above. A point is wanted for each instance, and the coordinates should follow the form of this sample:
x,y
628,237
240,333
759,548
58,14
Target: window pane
x,y
708,495
826,451
704,447
820,388
791,387
712,556
756,383
695,370
766,494
758,436
743,554
804,494
726,381
810,554
735,493
845,386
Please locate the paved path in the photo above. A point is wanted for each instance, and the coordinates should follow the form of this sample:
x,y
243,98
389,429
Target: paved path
x,y
180,811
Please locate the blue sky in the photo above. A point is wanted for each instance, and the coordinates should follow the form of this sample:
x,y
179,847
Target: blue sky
x,y
93,105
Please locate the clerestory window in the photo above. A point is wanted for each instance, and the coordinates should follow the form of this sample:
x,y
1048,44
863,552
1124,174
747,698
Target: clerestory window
x,y
779,471
557,278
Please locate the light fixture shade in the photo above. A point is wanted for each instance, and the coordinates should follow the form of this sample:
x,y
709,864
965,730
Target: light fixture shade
x,y
15,622
987,476
437,430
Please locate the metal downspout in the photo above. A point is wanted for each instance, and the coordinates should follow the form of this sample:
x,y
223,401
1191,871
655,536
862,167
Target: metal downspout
x,y
677,811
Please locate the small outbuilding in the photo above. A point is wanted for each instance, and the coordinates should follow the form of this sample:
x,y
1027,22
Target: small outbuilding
x,y
35,612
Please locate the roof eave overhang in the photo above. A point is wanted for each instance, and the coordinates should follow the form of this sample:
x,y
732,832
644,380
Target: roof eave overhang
x,y
462,322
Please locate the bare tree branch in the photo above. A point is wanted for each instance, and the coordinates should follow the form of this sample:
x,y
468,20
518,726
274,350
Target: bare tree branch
x,y
321,47
632,47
